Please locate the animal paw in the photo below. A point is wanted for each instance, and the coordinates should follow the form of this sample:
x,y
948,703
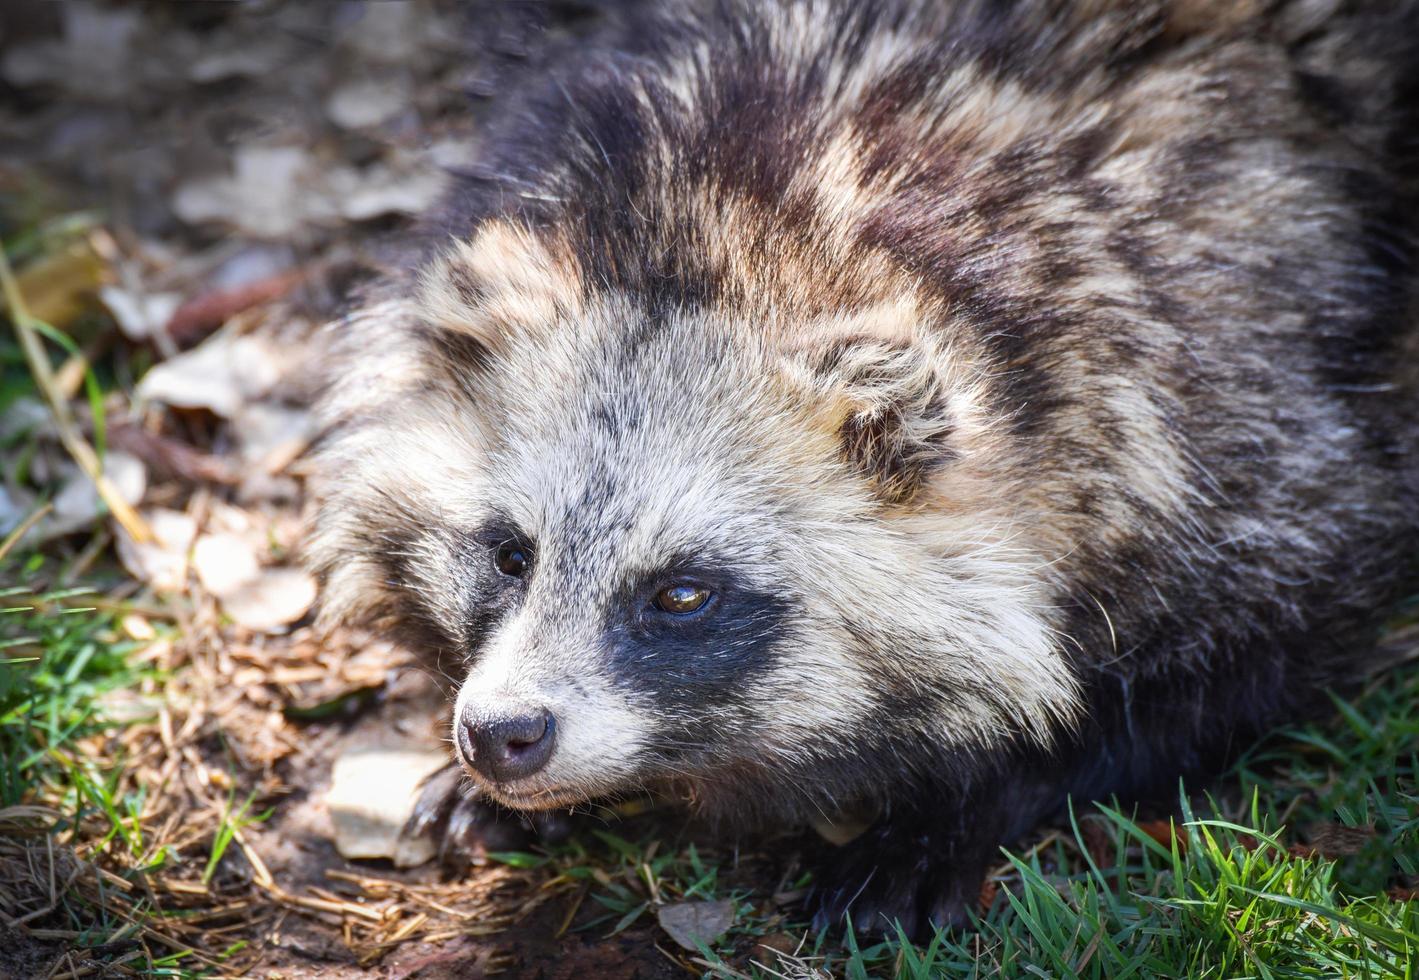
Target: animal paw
x,y
880,883
467,827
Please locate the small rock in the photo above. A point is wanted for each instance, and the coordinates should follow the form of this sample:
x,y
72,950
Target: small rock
x,y
372,795
692,924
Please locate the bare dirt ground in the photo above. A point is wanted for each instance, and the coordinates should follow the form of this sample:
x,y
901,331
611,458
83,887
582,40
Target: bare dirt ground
x,y
197,187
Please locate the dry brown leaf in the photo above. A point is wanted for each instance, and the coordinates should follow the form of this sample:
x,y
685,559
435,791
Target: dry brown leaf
x,y
92,59
1165,833
272,435
139,315
366,102
986,898
268,194
693,923
59,286
1332,840
199,316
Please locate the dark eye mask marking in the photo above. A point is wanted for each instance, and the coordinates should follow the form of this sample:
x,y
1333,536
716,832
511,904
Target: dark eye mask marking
x,y
703,659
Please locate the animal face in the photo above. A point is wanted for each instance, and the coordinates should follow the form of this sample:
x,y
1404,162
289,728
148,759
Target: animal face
x,y
664,551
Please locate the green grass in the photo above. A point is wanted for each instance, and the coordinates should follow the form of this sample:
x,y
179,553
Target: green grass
x,y
1233,891
234,820
60,657
1226,897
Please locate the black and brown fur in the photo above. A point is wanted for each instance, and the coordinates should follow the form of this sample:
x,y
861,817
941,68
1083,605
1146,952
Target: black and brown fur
x,y
1101,317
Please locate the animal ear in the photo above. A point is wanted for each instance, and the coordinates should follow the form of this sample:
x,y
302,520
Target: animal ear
x,y
502,283
893,407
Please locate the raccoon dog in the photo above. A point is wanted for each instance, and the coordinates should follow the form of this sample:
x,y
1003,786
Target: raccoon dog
x,y
926,409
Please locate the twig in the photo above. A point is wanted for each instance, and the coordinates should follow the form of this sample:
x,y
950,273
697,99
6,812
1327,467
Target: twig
x,y
13,538
43,372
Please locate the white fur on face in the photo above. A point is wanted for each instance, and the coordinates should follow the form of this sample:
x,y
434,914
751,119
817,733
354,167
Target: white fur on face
x,y
953,612
599,732
710,442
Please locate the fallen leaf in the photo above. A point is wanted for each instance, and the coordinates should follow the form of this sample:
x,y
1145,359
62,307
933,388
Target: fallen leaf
x,y
986,898
271,435
225,563
60,285
139,315
138,628
692,924
1098,841
1165,833
268,194
770,951
78,504
221,375
461,957
162,562
203,314
93,58
367,102
173,457
124,706
381,190
372,795
237,58
272,601
23,416
386,32
13,509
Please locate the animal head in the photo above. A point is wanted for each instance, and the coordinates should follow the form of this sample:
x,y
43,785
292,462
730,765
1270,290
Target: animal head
x,y
685,545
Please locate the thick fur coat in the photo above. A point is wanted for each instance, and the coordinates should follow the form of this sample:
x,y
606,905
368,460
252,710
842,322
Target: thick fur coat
x,y
1029,385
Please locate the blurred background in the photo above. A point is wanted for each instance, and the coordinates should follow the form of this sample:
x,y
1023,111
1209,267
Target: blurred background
x,y
189,192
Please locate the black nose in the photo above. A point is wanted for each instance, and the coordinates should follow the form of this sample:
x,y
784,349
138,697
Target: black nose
x,y
508,745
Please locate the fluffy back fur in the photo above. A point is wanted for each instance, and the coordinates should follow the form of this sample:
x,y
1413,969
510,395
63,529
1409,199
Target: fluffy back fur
x,y
1032,383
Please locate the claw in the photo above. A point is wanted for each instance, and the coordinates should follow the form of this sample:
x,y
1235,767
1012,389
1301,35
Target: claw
x,y
436,799
552,826
919,891
467,826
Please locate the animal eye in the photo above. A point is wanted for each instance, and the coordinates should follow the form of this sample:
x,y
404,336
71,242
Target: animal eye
x,y
681,600
511,559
